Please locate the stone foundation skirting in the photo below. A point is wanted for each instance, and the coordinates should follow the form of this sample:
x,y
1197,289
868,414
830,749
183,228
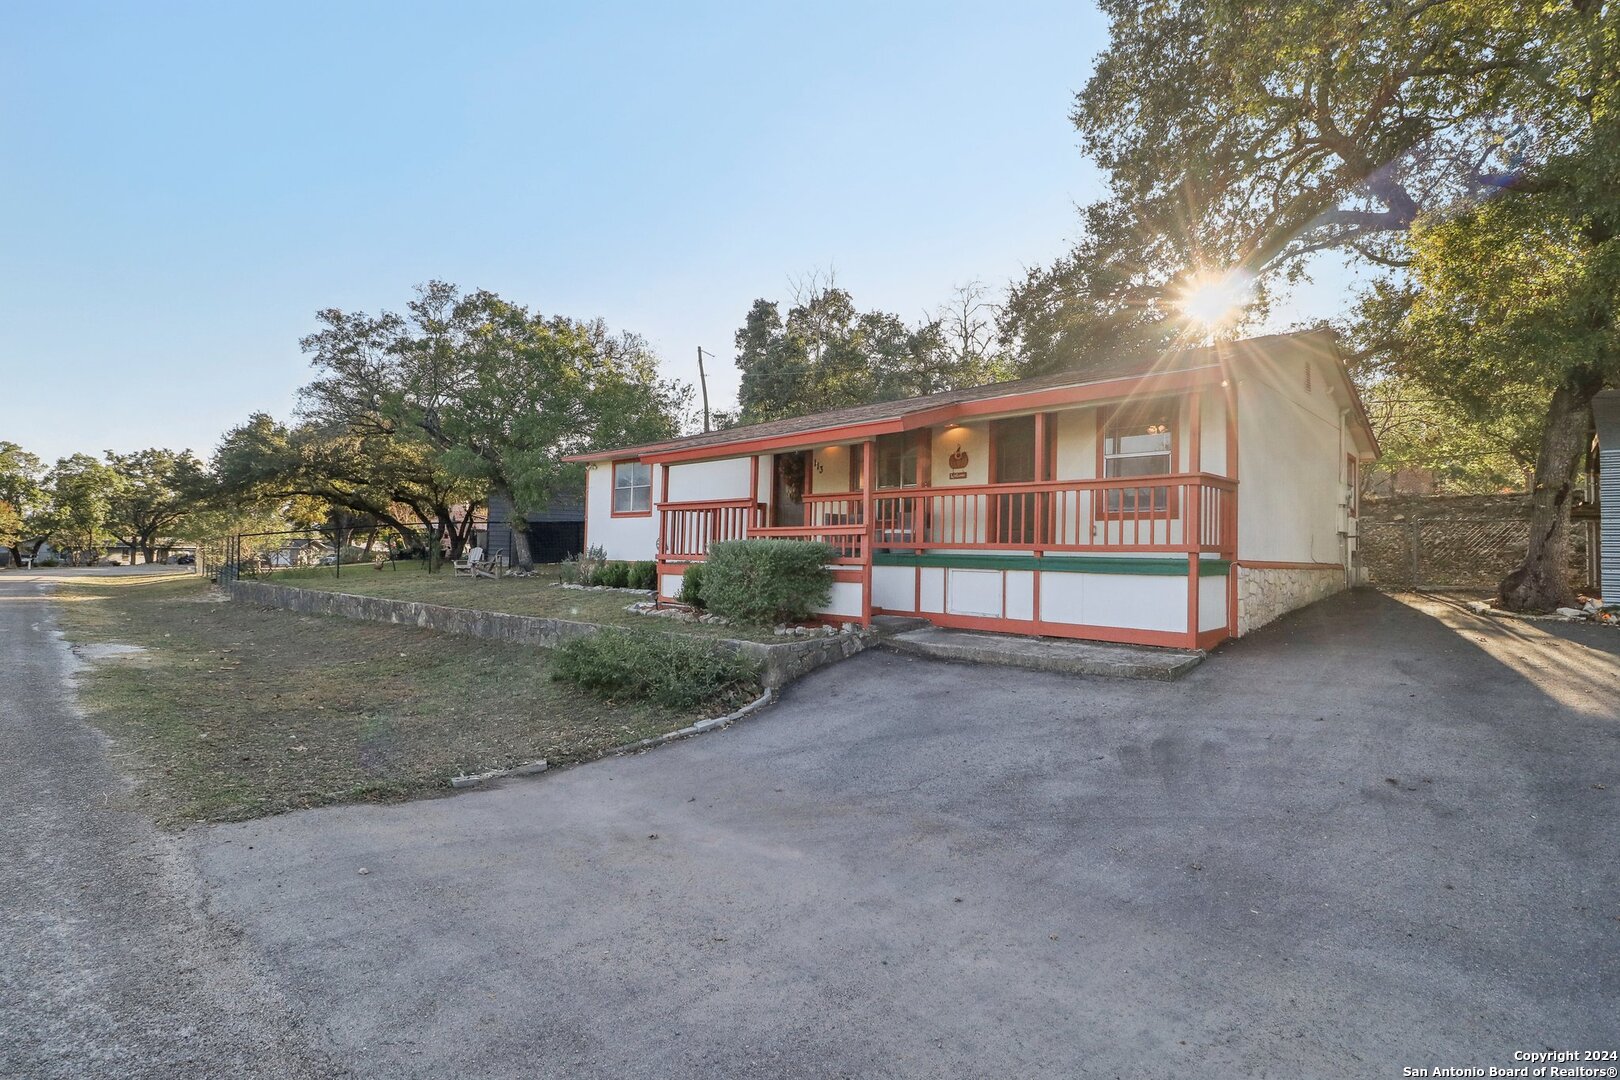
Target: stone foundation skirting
x,y
779,664
1264,593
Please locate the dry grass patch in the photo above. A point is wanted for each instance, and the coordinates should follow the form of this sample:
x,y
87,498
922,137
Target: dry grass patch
x,y
236,711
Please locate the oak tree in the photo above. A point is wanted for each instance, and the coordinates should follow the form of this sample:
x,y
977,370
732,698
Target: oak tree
x,y
1239,139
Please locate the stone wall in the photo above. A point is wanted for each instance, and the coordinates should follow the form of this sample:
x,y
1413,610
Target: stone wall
x,y
1264,594
779,664
1453,541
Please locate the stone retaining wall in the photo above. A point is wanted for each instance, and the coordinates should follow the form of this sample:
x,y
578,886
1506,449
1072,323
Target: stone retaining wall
x,y
779,664
1265,593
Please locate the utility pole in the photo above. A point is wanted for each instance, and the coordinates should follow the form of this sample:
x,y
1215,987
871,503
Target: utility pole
x,y
703,381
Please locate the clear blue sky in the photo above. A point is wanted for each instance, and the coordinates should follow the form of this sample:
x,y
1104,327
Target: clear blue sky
x,y
184,185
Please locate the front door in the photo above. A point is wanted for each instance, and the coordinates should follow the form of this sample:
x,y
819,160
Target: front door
x,y
790,475
1012,461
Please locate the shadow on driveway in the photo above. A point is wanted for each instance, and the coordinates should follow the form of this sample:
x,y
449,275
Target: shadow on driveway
x,y
1378,834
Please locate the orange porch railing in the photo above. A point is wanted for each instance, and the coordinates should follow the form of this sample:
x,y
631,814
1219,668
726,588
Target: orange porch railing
x,y
1181,513
1187,513
687,529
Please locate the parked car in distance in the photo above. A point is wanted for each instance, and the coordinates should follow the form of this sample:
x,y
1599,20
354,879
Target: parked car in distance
x,y
185,560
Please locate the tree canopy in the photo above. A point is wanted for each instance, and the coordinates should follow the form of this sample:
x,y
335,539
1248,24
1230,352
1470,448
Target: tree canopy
x,y
22,494
824,353
495,393
1410,138
149,492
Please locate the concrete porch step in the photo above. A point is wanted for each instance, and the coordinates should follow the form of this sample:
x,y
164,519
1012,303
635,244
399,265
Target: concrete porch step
x,y
889,625
1047,654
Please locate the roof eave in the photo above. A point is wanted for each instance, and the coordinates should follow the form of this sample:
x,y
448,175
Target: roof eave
x,y
1076,394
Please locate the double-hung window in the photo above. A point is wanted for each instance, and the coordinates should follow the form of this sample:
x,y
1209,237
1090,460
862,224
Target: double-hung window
x,y
900,459
632,488
1139,442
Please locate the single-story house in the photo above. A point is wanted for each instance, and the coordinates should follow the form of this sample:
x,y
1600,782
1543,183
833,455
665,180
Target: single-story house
x,y
1174,499
300,551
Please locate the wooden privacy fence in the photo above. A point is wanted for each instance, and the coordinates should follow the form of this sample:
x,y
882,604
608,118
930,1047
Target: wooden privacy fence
x,y
1453,542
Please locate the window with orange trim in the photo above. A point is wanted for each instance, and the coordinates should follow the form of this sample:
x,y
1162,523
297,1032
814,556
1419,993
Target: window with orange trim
x,y
632,488
1139,442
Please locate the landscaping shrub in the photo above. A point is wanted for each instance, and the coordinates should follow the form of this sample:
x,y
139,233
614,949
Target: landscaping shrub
x,y
692,586
581,569
674,670
643,575
767,581
615,574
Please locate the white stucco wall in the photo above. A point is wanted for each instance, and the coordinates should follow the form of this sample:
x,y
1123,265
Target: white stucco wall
x,y
894,587
1076,457
1211,603
633,538
697,481
1125,601
1212,417
845,600
974,440
1290,467
829,469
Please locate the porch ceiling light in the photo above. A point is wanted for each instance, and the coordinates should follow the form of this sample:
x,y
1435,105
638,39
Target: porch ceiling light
x,y
1215,299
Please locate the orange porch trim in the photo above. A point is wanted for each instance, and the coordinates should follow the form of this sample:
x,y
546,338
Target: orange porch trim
x,y
1169,382
1166,639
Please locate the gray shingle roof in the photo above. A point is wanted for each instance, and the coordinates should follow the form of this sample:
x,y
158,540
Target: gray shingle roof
x,y
1149,361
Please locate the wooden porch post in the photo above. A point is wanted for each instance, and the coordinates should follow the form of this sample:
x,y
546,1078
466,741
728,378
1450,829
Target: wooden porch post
x,y
868,483
753,495
663,539
1230,533
1192,523
1043,472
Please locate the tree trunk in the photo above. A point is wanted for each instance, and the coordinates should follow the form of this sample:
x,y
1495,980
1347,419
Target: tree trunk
x,y
465,530
521,556
1541,582
449,531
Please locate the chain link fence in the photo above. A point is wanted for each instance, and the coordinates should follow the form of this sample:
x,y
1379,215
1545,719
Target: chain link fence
x,y
336,550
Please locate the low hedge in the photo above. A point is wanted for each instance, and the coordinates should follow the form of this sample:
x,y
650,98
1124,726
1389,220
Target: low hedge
x,y
767,581
692,586
643,575
677,671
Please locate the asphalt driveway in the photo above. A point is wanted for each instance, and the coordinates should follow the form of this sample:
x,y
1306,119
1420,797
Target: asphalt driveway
x,y
1379,834
109,966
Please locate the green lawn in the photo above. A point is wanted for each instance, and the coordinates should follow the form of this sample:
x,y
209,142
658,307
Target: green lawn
x,y
539,595
234,711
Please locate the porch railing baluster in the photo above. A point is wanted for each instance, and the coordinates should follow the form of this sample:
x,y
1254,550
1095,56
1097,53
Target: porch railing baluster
x,y
1181,513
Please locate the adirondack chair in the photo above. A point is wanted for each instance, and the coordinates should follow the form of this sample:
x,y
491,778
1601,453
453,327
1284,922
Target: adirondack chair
x,y
492,565
468,566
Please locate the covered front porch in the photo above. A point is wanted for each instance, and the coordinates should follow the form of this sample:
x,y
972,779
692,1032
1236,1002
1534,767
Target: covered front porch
x,y
1111,521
